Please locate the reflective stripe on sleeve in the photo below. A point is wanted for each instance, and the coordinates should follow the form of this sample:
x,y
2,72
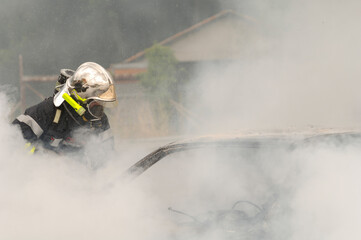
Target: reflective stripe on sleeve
x,y
55,142
31,123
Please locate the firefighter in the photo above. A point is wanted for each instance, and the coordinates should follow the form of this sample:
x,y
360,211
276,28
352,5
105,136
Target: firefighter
x,y
64,122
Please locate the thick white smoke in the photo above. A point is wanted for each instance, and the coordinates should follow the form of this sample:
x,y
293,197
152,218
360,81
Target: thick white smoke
x,y
326,197
46,196
308,77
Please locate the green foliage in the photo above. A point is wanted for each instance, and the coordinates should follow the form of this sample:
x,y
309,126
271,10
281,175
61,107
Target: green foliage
x,y
160,78
161,82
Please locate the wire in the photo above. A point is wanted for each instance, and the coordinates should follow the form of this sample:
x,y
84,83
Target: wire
x,y
241,201
171,209
71,115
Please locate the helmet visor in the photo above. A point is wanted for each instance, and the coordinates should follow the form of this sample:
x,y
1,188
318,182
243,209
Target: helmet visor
x,y
107,96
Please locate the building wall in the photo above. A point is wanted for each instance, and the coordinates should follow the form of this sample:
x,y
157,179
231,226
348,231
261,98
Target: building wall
x,y
133,117
223,39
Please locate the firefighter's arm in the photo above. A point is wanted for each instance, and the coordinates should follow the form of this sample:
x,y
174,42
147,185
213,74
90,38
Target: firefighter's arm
x,y
33,122
28,135
106,133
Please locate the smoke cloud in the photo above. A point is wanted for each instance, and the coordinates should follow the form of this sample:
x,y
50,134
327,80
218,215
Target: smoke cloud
x,y
308,76
306,72
306,79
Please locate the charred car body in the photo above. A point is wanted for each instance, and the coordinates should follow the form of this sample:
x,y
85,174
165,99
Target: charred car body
x,y
251,155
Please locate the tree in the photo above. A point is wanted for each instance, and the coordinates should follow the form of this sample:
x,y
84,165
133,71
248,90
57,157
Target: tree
x,y
161,82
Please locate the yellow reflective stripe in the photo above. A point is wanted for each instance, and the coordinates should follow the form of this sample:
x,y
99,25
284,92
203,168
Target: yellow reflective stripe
x,y
32,150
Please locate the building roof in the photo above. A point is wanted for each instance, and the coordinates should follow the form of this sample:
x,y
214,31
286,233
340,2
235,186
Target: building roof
x,y
138,56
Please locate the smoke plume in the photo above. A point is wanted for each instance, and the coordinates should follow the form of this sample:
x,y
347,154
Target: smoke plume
x,y
308,75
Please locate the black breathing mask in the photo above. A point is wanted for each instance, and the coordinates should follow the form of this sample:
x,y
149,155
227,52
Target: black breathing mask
x,y
95,109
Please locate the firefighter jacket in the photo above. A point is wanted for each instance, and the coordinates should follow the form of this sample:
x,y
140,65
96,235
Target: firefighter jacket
x,y
54,127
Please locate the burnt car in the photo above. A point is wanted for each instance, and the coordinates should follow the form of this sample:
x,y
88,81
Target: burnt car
x,y
230,187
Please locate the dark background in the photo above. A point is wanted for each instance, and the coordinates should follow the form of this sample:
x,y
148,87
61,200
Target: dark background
x,y
52,35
